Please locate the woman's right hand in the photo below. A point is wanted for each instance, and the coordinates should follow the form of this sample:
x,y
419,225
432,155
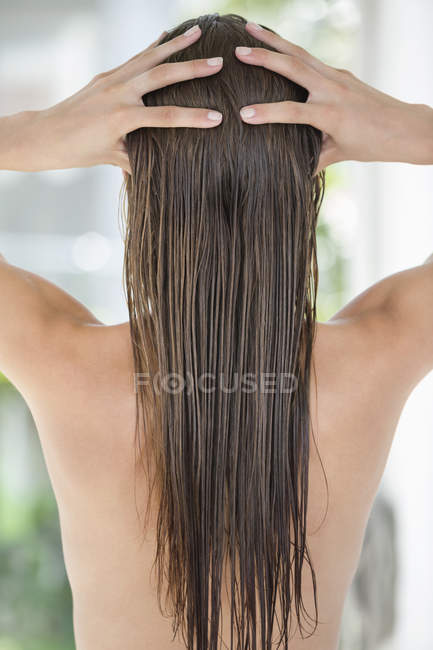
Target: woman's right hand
x,y
358,122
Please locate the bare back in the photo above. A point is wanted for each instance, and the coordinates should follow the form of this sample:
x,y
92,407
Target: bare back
x,y
76,374
86,423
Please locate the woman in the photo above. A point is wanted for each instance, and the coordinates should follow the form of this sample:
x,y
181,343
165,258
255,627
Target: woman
x,y
251,437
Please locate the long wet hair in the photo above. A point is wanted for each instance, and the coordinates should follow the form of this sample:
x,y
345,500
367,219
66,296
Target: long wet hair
x,y
220,274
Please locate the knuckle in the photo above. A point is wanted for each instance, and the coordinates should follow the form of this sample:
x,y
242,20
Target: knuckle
x,y
168,114
295,110
155,73
295,63
159,72
103,81
344,72
106,84
196,67
297,50
98,78
262,53
336,86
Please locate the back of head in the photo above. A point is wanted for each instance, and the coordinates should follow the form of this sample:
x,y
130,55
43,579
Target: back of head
x,y
220,272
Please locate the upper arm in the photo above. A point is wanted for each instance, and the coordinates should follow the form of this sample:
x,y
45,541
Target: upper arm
x,y
36,325
399,309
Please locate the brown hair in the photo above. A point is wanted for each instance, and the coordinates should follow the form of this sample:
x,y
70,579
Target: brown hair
x,y
220,274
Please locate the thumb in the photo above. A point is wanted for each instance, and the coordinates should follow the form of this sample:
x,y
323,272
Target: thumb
x,y
329,153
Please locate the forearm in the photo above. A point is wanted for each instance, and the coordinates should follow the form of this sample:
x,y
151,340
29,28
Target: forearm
x,y
413,135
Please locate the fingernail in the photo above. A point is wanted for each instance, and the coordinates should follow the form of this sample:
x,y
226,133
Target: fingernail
x,y
214,116
243,50
191,30
216,60
254,25
248,112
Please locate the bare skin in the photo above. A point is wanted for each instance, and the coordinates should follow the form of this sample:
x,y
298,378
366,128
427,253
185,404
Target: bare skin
x,y
76,374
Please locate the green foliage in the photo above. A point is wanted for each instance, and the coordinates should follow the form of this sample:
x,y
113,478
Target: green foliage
x,y
333,263
35,597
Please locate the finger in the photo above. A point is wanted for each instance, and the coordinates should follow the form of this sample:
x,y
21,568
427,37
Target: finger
x,y
121,159
153,55
286,47
147,49
170,116
156,55
155,42
286,112
118,69
170,73
284,64
329,154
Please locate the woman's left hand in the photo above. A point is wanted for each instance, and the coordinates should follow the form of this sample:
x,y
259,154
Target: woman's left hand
x,y
89,127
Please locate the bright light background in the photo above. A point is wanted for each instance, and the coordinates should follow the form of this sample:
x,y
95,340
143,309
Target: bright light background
x,y
376,219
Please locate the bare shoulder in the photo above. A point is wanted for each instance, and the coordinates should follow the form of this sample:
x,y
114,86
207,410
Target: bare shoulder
x,y
50,341
367,359
389,326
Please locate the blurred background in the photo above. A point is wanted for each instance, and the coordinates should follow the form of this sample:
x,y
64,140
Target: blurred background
x,y
376,219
